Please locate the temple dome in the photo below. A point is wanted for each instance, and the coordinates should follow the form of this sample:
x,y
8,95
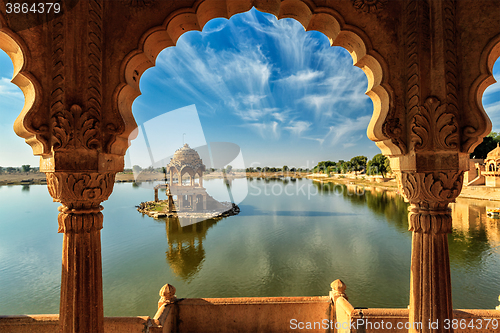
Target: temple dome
x,y
494,154
186,156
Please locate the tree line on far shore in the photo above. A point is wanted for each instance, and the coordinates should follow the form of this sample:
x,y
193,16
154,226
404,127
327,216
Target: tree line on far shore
x,y
378,165
25,168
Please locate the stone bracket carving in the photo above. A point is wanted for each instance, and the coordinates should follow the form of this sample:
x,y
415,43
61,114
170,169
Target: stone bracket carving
x,y
429,195
80,193
369,6
76,128
434,127
432,188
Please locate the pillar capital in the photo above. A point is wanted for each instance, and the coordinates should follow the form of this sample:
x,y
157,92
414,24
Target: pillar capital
x,y
80,192
431,191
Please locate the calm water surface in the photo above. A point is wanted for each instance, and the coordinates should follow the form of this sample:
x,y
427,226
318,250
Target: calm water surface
x,y
290,239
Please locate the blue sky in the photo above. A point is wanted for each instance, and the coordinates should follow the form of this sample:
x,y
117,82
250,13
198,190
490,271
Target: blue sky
x,y
282,94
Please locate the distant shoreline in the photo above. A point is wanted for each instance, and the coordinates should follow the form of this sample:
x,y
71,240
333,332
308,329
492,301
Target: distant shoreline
x,y
38,178
470,192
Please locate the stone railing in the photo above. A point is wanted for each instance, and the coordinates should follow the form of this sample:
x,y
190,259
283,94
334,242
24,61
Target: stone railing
x,y
50,324
331,313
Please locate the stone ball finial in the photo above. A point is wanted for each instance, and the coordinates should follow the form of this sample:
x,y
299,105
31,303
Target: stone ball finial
x,y
167,295
338,286
338,289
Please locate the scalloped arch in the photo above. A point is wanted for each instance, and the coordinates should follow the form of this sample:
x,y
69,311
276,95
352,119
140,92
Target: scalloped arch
x,y
187,170
488,57
324,20
17,51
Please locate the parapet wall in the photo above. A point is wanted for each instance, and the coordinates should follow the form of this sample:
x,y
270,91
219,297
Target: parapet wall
x,y
266,314
269,314
50,324
397,321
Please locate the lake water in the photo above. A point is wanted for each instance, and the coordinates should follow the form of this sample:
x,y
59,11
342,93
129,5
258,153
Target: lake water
x,y
290,239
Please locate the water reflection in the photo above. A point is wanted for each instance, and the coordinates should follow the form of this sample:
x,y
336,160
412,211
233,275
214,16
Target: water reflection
x,y
353,232
474,235
381,202
185,252
289,240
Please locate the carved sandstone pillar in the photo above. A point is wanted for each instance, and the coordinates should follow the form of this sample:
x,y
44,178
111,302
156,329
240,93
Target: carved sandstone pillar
x,y
76,132
429,194
438,133
80,219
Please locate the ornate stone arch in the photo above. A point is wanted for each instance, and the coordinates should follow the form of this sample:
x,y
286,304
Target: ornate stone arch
x,y
487,60
430,46
199,172
322,19
187,169
27,125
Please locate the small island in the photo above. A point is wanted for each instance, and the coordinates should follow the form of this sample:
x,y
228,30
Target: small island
x,y
186,199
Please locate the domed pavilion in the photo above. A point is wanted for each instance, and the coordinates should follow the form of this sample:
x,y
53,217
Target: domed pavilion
x,y
492,167
190,196
186,160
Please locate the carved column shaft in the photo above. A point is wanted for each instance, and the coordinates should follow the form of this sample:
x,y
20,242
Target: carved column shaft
x,y
430,221
430,268
81,305
80,219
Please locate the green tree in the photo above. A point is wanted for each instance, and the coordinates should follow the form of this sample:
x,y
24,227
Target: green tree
x,y
379,165
359,163
344,166
136,169
228,169
323,166
25,167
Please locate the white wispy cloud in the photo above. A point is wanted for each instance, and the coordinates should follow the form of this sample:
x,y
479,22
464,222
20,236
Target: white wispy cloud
x,y
252,114
10,90
346,130
493,107
303,77
280,116
298,127
491,90
252,99
215,25
265,130
275,79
